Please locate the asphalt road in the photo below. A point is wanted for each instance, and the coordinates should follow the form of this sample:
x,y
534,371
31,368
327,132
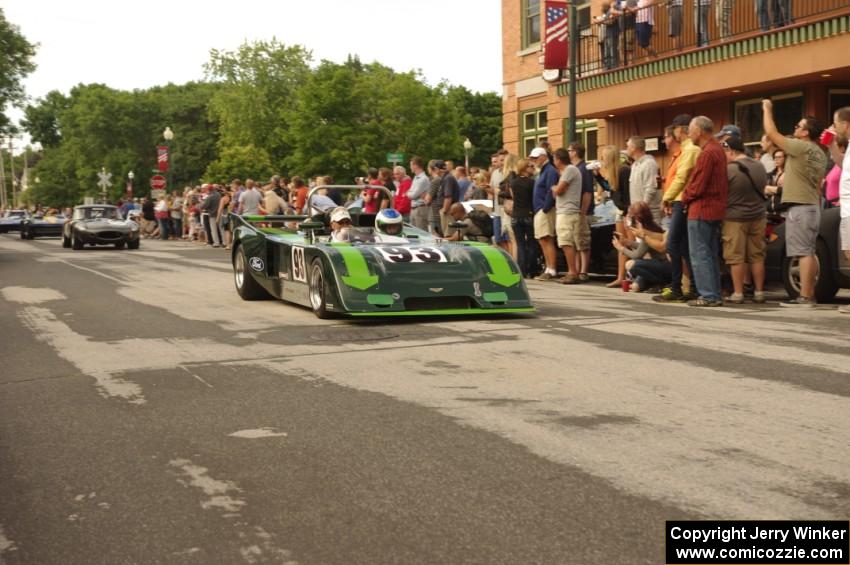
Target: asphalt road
x,y
148,415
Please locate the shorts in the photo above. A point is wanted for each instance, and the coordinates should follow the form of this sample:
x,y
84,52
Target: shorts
x,y
743,242
573,231
844,230
544,224
802,223
644,34
674,21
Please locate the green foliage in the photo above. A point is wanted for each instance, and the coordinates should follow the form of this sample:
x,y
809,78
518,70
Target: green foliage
x,y
349,116
243,162
479,119
254,87
96,126
16,55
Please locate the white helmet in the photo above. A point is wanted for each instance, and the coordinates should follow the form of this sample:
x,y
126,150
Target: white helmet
x,y
389,222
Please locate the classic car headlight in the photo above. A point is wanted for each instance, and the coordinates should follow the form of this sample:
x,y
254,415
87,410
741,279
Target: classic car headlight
x,y
133,226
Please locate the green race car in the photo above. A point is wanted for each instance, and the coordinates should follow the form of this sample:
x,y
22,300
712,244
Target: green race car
x,y
295,258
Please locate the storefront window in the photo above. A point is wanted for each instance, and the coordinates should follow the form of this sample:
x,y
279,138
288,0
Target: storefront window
x,y
787,111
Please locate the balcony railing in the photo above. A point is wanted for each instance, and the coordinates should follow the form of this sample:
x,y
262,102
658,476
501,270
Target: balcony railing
x,y
621,39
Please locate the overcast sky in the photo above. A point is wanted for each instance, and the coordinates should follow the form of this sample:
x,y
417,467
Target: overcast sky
x,y
134,44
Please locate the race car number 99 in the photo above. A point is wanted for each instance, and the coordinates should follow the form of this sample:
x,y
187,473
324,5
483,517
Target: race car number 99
x,y
412,254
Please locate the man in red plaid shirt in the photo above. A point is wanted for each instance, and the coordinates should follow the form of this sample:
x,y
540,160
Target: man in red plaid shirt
x,y
705,199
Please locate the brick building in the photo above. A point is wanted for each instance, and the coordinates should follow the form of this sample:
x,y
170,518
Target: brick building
x,y
799,59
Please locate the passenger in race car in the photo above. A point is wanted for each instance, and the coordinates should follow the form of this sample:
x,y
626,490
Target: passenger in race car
x,y
340,224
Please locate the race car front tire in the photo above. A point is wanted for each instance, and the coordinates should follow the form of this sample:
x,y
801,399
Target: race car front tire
x,y
319,290
246,286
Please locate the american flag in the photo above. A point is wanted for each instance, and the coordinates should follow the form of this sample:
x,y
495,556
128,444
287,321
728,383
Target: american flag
x,y
557,30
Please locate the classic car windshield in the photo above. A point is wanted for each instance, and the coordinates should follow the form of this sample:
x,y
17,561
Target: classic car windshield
x,y
14,214
107,212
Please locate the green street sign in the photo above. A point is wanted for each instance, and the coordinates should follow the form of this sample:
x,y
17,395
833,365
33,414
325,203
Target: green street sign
x,y
395,157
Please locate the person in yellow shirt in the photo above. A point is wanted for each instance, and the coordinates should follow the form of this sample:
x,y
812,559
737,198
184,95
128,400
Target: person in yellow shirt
x,y
677,179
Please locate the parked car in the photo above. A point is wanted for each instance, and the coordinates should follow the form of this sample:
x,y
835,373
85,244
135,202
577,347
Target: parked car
x,y
100,224
11,220
834,267
46,225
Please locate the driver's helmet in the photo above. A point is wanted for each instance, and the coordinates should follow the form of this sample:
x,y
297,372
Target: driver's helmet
x,y
389,222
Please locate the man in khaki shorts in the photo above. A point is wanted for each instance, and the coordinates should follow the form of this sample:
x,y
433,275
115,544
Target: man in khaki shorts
x,y
571,205
544,210
805,166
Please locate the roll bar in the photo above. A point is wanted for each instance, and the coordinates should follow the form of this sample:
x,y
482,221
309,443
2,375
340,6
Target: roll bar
x,y
360,187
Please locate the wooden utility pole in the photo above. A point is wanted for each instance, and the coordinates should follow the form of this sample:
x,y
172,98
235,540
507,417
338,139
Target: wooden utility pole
x,y
3,197
12,168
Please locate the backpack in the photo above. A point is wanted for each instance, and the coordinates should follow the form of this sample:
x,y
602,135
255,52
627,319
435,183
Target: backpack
x,y
483,221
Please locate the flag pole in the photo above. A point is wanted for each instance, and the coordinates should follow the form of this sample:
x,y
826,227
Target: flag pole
x,y
573,42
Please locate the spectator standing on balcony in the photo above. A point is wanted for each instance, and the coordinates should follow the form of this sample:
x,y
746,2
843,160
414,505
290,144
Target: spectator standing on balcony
x,y
701,10
745,221
544,211
805,164
612,35
841,125
644,23
416,194
705,199
677,235
723,16
643,181
763,14
783,14
674,21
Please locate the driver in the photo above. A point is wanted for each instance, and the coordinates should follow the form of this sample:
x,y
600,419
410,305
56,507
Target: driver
x,y
389,225
340,224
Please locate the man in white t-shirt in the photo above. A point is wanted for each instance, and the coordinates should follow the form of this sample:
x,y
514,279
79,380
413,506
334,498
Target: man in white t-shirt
x,y
841,124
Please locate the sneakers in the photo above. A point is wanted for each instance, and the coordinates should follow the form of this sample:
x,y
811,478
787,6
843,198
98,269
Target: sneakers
x,y
583,277
735,299
669,296
758,297
799,302
704,303
844,309
545,277
570,279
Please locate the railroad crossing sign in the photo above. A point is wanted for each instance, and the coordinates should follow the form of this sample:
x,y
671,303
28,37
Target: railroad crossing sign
x,y
158,182
105,180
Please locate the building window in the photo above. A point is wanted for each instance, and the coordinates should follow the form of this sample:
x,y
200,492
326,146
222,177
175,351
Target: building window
x,y
535,124
838,98
787,111
530,22
587,133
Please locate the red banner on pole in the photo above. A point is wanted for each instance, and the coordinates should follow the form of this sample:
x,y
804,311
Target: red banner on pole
x,y
162,158
556,46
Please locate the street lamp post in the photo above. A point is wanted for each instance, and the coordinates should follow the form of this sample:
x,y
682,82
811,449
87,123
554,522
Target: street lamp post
x,y
130,177
168,135
467,145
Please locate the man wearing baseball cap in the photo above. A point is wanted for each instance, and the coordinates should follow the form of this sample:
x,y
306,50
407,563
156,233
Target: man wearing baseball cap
x,y
729,130
544,210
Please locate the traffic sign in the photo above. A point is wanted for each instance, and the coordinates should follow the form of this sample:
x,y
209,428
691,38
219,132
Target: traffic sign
x,y
157,182
395,157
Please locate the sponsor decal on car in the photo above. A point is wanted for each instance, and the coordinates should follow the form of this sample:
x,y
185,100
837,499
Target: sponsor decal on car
x,y
256,263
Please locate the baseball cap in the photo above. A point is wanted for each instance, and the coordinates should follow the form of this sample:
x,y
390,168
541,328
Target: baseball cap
x,y
339,213
730,129
537,152
735,144
439,164
682,120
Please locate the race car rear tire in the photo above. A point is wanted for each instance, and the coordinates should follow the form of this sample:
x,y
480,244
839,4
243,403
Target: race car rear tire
x,y
319,290
246,286
75,241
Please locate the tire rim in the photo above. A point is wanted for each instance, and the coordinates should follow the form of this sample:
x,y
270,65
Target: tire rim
x,y
239,270
794,273
317,287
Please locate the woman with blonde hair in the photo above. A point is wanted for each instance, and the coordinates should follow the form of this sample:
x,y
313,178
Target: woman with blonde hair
x,y
613,177
503,206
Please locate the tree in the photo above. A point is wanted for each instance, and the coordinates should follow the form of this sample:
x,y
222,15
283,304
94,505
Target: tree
x,y
348,116
244,162
254,87
16,55
479,119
